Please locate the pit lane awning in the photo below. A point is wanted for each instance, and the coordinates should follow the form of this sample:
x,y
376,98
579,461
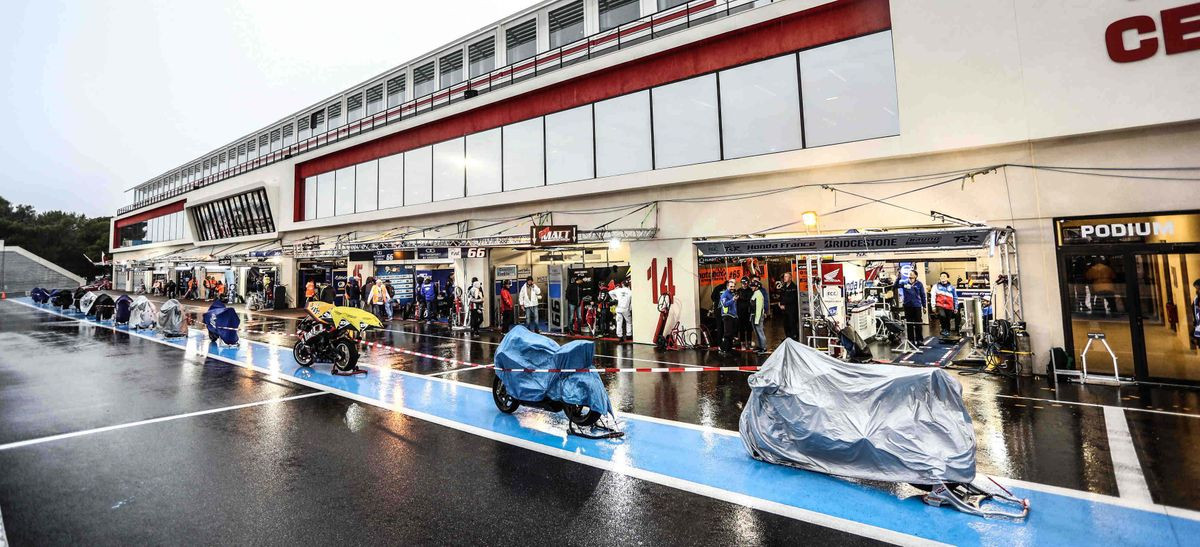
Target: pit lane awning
x,y
853,243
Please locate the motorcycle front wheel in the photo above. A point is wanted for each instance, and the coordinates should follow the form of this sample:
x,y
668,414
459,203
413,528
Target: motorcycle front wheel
x,y
304,354
505,402
345,354
581,415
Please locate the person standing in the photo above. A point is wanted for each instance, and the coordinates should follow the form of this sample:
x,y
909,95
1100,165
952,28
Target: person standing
x,y
573,290
944,299
365,292
789,304
353,292
744,326
390,294
530,295
624,300
506,306
912,297
759,307
310,291
475,305
376,298
729,316
717,324
429,294
419,296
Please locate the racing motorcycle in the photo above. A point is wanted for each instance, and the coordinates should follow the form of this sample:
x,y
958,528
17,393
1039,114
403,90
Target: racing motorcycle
x,y
332,334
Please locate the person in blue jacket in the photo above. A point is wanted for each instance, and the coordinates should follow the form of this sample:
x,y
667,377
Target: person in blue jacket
x,y
912,297
729,316
429,293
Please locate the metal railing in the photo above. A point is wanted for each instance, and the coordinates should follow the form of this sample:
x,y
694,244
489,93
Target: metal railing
x,y
635,32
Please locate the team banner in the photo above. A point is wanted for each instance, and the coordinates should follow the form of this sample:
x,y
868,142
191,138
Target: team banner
x,y
553,235
967,238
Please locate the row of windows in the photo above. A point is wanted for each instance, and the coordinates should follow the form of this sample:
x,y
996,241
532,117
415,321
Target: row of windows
x,y
156,230
235,216
832,94
564,25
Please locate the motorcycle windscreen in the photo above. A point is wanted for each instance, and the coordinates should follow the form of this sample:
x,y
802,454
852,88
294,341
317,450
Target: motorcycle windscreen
x,y
223,322
522,349
123,310
866,421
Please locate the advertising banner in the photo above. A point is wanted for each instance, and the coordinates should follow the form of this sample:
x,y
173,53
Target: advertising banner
x,y
542,236
966,238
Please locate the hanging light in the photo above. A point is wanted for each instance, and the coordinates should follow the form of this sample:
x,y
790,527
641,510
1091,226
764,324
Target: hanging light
x,y
809,218
614,243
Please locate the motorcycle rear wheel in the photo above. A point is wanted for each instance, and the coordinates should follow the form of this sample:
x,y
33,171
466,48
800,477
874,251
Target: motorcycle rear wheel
x,y
345,354
580,417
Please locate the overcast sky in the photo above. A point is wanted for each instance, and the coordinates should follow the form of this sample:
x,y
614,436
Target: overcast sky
x,y
99,96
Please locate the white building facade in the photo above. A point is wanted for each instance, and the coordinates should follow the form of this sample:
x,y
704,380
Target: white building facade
x,y
647,127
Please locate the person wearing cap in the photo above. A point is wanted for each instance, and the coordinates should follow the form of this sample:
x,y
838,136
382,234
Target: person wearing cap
x,y
530,294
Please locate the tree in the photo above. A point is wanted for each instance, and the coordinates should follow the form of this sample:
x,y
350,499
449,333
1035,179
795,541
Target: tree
x,y
58,236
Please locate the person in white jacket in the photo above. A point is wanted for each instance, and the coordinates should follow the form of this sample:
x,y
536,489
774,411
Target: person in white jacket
x,y
624,300
530,294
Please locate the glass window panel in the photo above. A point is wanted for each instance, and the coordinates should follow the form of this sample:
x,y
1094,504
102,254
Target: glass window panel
x,y
482,56
391,181
423,80
760,108
451,68
569,145
664,4
395,90
448,170
354,107
623,135
521,41
614,13
418,176
566,24
524,155
375,99
366,189
686,129
325,195
288,136
483,162
334,114
344,191
849,91
310,198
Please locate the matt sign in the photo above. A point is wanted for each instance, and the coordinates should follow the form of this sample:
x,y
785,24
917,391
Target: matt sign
x,y
553,235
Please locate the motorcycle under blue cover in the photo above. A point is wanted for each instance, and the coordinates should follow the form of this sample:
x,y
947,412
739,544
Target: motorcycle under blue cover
x,y
39,295
528,351
223,322
121,311
866,421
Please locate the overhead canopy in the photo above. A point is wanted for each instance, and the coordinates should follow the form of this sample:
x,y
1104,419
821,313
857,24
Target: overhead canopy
x,y
855,243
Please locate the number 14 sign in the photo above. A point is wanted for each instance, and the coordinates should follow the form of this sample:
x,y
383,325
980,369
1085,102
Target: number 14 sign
x,y
663,286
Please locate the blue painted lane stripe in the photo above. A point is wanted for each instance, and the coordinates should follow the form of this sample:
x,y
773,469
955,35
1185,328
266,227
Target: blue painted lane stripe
x,y
720,461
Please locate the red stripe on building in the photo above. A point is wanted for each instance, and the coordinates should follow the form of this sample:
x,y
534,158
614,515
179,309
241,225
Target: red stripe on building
x,y
144,216
813,27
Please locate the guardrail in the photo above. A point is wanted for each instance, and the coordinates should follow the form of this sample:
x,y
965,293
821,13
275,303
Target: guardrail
x,y
634,32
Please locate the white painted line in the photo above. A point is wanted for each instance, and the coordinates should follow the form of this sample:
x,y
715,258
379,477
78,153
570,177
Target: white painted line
x,y
1059,490
1098,405
3,534
452,371
73,434
1131,483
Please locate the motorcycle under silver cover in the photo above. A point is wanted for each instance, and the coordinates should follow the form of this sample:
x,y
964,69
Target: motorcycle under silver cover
x,y
867,421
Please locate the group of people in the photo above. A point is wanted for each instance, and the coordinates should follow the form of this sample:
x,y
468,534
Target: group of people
x,y
613,305
527,298
743,308
942,301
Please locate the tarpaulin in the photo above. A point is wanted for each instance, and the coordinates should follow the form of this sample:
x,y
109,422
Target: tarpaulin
x,y
78,298
102,308
123,309
61,298
222,322
39,295
522,349
866,421
143,315
87,301
170,318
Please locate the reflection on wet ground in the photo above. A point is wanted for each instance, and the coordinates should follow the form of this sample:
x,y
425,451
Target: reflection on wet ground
x,y
1026,428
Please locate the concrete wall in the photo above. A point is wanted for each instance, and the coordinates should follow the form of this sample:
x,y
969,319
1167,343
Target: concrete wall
x,y
23,270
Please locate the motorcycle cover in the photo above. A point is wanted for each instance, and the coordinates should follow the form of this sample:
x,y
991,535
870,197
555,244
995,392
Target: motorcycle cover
x,y
123,310
170,318
360,320
875,422
103,307
87,301
39,295
525,350
143,315
222,322
78,298
320,311
61,298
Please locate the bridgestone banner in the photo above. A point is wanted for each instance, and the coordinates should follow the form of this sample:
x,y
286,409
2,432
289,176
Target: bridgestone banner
x,y
926,240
